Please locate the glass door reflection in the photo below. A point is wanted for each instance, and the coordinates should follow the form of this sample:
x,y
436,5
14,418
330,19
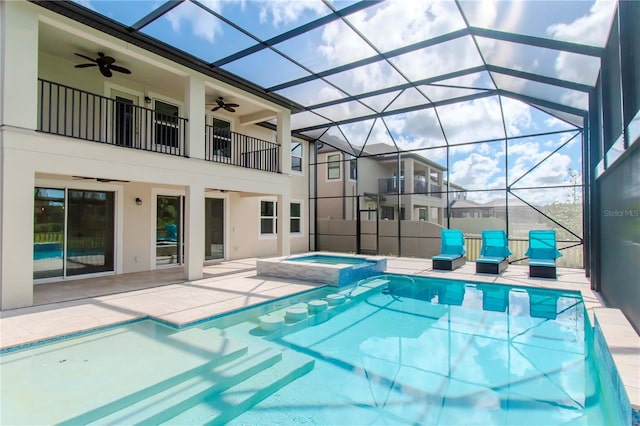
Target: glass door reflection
x,y
48,233
169,230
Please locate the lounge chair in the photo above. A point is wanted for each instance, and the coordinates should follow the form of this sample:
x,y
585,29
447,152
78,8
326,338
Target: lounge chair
x,y
451,250
542,253
494,252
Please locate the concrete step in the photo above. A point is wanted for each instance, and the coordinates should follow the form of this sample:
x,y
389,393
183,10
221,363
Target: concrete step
x,y
166,404
222,407
133,369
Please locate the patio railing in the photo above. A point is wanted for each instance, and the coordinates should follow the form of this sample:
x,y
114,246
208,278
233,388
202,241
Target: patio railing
x,y
224,146
66,111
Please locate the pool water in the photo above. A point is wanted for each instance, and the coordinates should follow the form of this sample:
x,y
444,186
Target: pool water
x,y
329,260
400,350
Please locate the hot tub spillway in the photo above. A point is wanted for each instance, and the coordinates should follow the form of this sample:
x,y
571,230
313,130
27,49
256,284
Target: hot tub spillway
x,y
323,268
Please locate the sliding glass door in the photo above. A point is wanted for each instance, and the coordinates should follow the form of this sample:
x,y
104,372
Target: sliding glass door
x,y
90,232
169,229
74,232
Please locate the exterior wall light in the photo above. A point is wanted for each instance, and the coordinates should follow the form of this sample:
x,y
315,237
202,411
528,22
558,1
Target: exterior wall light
x,y
138,201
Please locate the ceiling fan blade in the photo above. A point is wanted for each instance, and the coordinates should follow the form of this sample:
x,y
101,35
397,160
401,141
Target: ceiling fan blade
x,y
86,65
233,105
215,108
86,57
106,71
228,108
120,69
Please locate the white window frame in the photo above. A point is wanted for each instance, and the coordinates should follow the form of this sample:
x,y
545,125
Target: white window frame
x,y
227,225
162,147
274,218
87,185
302,150
155,191
352,158
300,218
212,117
329,162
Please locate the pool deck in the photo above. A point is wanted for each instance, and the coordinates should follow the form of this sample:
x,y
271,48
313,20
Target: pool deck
x,y
80,305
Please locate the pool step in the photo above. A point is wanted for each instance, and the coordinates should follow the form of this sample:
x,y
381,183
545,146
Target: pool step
x,y
221,408
135,377
165,404
330,311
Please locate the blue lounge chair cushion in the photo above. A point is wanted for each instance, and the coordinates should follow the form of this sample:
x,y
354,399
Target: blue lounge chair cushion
x,y
452,242
448,257
542,245
490,259
542,262
494,244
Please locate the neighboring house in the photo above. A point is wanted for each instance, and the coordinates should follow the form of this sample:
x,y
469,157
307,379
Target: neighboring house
x,y
133,172
519,212
419,183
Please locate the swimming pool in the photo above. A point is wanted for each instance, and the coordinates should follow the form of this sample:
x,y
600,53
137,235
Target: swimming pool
x,y
401,350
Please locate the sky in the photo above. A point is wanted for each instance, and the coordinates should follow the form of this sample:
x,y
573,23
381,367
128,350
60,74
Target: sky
x,y
393,24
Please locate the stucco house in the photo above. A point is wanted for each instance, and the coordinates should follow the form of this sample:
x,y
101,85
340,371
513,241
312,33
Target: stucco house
x,y
121,156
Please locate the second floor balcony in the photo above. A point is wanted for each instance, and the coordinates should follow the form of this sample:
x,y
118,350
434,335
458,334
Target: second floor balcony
x,y
393,185
70,112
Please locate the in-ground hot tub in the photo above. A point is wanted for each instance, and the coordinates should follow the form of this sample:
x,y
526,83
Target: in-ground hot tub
x,y
336,270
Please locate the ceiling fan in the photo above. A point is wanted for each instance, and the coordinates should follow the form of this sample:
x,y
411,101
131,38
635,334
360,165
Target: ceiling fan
x,y
104,63
222,104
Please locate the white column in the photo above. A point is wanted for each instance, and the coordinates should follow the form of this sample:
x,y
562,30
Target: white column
x,y
194,232
195,112
18,64
408,175
16,232
284,225
284,139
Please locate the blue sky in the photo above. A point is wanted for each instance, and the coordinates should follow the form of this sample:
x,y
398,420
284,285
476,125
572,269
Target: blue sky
x,y
392,24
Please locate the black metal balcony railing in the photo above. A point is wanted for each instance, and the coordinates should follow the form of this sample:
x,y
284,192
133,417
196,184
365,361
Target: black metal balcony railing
x,y
74,113
390,185
224,146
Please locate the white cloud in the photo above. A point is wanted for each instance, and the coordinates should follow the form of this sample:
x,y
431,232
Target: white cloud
x,y
287,12
591,29
203,25
474,172
471,121
397,23
517,116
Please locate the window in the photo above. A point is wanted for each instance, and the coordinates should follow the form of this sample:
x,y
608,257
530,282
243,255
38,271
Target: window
x,y
296,156
167,133
353,169
386,212
333,166
295,218
268,218
221,138
422,214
